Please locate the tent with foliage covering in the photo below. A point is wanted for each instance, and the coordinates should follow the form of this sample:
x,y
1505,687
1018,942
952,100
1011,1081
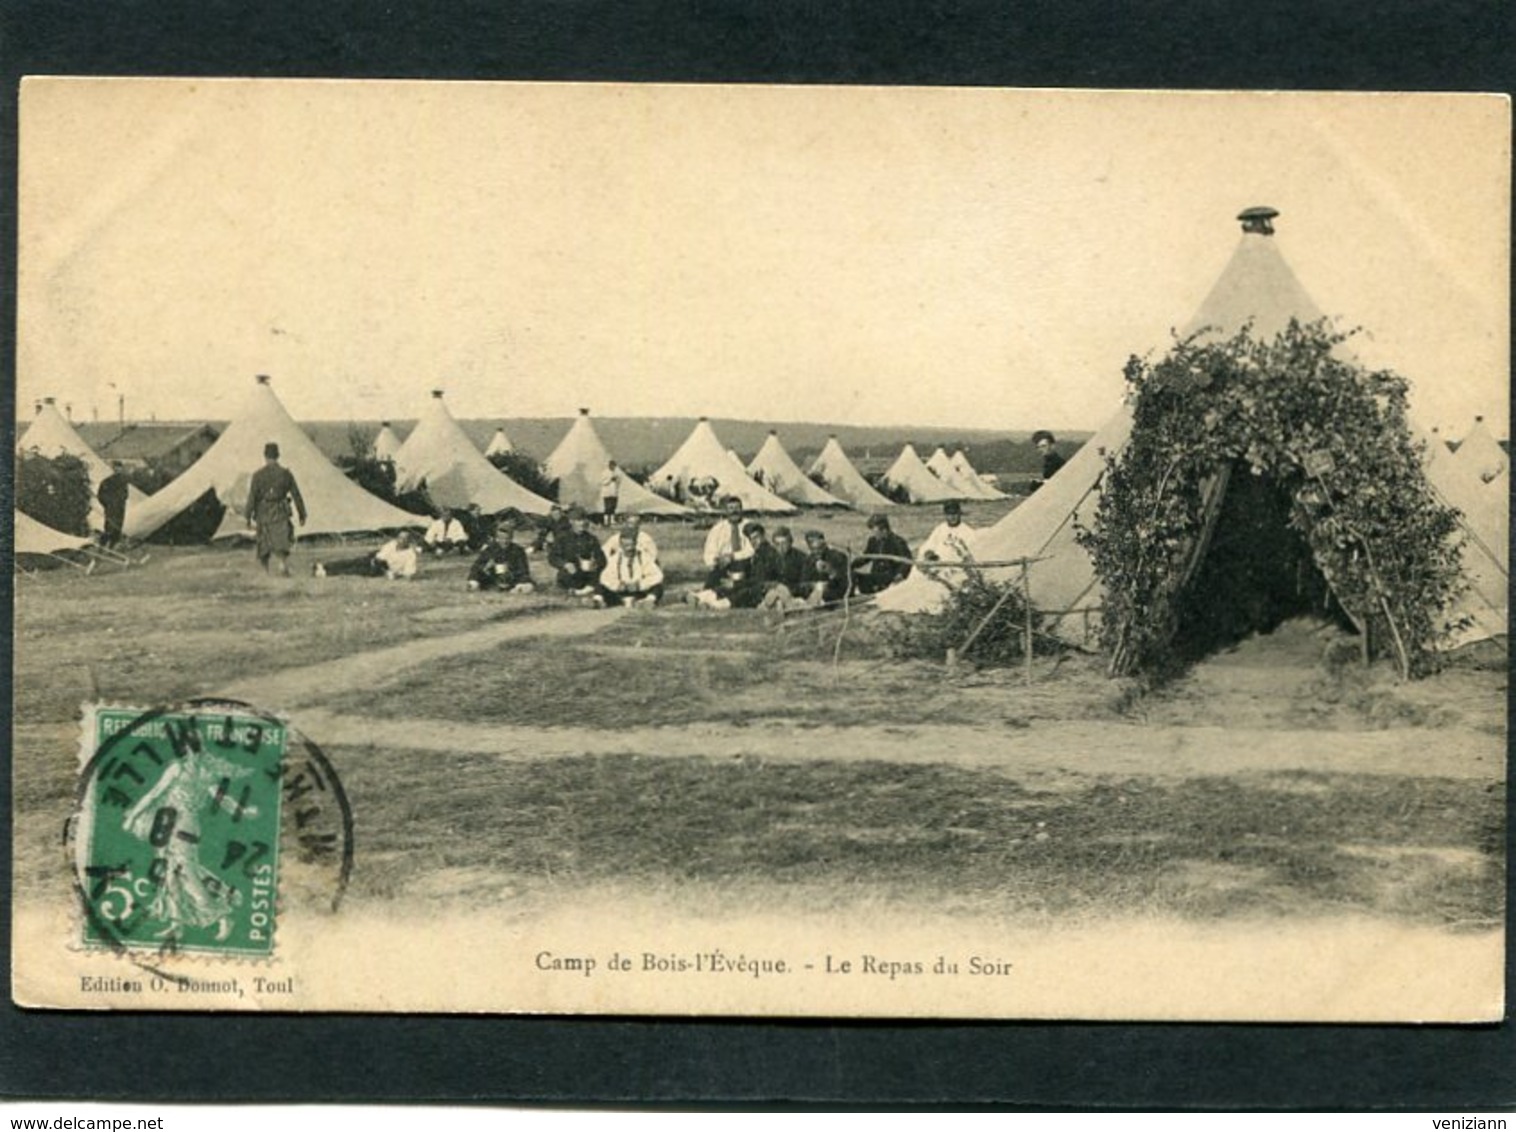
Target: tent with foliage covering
x,y
439,457
335,504
579,463
776,470
833,468
915,480
1253,471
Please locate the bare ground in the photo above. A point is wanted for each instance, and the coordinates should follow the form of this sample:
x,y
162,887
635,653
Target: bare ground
x,y
505,748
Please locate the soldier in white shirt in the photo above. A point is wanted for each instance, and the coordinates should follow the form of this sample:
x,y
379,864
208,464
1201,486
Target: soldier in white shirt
x,y
610,492
629,577
398,560
645,544
726,555
446,533
949,542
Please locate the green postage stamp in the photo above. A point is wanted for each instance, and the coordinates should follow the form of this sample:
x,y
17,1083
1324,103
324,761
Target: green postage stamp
x,y
177,842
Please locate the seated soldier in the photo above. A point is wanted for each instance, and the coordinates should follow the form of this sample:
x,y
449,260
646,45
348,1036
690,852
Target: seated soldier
x,y
826,578
577,557
446,533
760,573
645,544
949,540
789,570
398,560
479,527
502,565
874,574
630,577
725,554
549,530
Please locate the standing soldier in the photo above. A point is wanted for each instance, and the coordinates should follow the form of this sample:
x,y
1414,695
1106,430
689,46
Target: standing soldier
x,y
112,494
268,509
610,492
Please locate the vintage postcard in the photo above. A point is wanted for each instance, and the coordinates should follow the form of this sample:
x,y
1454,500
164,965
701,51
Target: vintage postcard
x,y
763,551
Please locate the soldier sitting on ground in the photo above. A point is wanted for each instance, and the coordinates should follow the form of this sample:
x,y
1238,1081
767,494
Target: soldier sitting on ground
x,y
502,565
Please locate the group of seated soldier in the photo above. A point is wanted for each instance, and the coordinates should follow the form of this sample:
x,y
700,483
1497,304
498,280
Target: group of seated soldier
x,y
623,570
745,570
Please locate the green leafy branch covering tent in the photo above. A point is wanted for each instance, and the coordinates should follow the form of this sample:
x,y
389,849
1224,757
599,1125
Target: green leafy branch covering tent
x,y
1261,470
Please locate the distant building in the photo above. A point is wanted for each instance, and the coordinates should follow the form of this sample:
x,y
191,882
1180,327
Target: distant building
x,y
168,448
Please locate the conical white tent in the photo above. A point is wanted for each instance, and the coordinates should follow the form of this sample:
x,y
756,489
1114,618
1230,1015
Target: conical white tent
x,y
703,456
33,537
1042,526
843,480
971,478
335,504
579,463
386,444
910,475
781,475
1486,546
941,466
51,435
499,443
439,455
1482,457
1257,287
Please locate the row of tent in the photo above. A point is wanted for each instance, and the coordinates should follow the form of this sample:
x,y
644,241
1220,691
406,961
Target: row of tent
x,y
1257,289
439,457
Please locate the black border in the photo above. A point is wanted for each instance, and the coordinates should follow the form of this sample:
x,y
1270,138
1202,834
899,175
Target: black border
x,y
1320,45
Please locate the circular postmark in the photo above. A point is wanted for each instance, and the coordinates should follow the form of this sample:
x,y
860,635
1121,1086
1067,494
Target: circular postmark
x,y
199,824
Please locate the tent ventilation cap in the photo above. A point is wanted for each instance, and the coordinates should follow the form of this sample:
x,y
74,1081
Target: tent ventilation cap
x,y
1258,219
261,379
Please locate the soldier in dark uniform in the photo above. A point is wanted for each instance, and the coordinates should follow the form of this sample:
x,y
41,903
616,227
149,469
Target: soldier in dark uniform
x,y
112,494
268,509
1051,460
556,526
826,578
760,573
873,574
577,556
790,560
502,564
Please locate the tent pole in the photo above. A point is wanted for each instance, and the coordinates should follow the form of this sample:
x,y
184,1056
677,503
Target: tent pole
x,y
1026,601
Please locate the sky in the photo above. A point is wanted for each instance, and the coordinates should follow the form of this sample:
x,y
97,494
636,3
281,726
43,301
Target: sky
x,y
872,256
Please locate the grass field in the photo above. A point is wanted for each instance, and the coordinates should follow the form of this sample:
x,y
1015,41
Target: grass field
x,y
491,754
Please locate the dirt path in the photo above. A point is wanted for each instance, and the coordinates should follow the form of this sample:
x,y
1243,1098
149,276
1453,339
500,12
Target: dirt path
x,y
1048,749
1246,688
310,684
